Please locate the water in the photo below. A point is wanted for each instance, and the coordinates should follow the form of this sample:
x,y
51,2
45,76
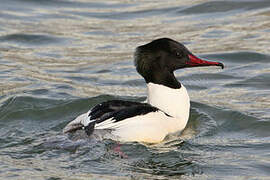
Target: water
x,y
58,58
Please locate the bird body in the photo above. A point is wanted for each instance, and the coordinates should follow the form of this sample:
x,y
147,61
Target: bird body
x,y
167,108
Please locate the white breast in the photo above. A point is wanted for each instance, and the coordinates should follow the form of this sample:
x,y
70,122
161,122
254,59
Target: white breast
x,y
174,102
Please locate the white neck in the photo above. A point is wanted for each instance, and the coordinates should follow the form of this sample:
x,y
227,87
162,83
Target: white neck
x,y
174,102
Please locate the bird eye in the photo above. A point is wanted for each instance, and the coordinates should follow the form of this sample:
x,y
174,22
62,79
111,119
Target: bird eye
x,y
178,54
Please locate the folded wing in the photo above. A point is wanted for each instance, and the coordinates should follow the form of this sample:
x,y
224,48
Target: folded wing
x,y
105,114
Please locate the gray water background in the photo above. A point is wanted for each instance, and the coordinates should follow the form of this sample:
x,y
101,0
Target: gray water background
x,y
58,58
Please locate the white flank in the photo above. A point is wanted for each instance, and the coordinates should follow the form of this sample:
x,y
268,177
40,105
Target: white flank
x,y
152,127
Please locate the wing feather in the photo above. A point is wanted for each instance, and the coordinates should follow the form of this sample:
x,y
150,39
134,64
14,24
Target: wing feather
x,y
100,113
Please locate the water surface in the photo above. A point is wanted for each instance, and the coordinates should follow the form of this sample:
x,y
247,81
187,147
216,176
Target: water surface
x,y
58,58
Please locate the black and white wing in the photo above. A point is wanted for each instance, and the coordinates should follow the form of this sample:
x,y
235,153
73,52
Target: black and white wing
x,y
105,114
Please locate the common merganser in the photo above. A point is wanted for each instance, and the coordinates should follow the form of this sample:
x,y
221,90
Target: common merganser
x,y
168,105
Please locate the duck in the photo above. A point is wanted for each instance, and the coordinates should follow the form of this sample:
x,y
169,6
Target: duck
x,y
167,107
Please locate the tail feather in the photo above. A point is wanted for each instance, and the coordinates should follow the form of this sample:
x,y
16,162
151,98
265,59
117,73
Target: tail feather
x,y
78,123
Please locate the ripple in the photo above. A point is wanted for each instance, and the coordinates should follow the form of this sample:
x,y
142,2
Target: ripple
x,y
32,39
224,6
260,82
212,76
125,15
241,57
216,34
65,4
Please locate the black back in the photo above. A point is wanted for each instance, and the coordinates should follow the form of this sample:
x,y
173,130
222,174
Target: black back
x,y
117,110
